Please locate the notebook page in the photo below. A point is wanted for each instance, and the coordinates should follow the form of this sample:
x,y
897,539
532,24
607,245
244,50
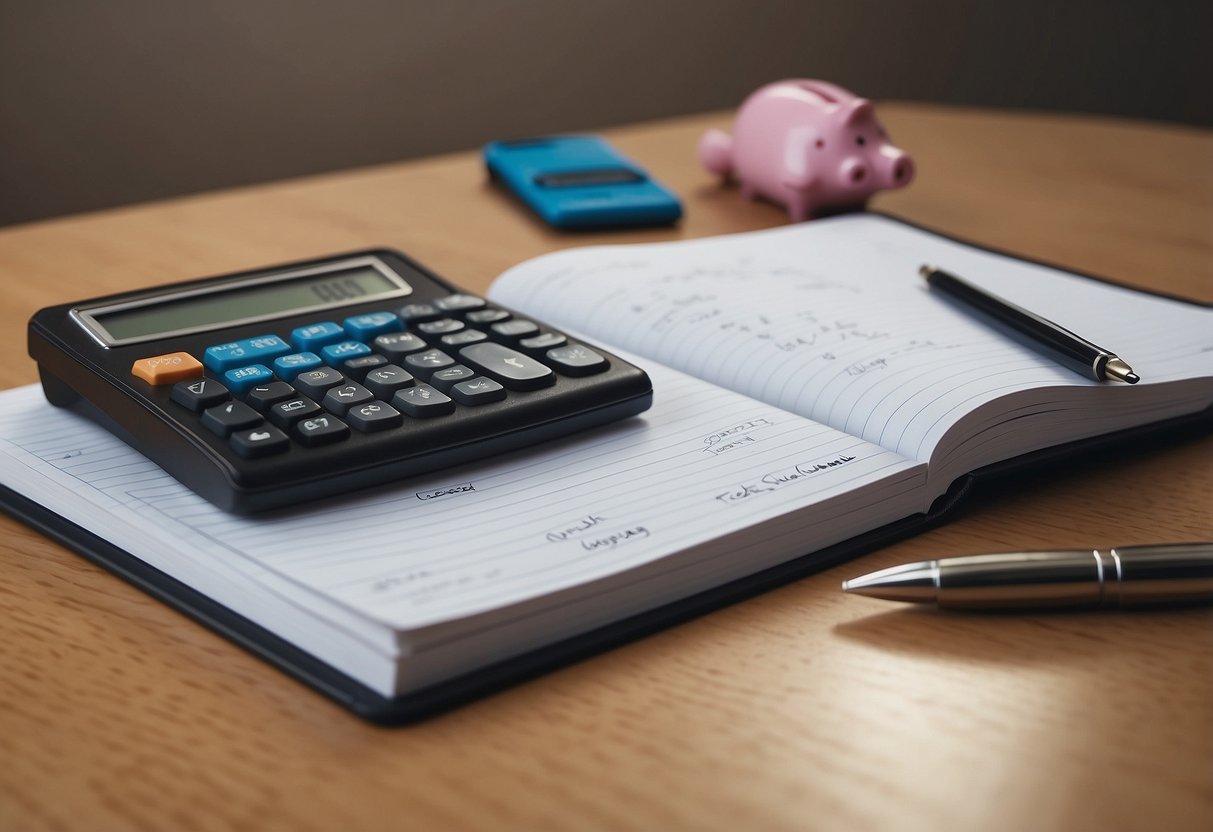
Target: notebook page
x,y
700,464
829,319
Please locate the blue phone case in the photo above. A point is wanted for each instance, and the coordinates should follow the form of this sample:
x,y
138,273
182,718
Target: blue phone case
x,y
580,182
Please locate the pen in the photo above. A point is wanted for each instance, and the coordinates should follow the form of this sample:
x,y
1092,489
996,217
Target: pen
x,y
1129,576
1072,351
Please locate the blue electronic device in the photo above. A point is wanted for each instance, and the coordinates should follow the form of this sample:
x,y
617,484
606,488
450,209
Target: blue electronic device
x,y
580,182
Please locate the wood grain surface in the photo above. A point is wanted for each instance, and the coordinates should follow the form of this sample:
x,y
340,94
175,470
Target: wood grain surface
x,y
798,709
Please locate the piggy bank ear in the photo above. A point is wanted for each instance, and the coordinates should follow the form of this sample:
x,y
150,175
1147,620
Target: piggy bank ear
x,y
858,110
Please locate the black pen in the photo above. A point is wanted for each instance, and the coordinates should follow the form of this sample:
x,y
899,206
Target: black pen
x,y
1127,576
1072,351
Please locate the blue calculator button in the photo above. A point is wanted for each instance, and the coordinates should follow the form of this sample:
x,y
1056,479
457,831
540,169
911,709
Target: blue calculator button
x,y
242,379
334,354
289,366
222,357
365,327
314,336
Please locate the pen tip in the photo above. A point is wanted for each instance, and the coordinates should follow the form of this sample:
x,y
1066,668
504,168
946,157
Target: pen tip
x,y
1119,370
925,269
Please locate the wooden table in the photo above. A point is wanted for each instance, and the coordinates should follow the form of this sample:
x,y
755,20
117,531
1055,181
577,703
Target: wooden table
x,y
798,709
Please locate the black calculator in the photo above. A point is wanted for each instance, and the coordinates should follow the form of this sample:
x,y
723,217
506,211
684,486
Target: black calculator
x,y
271,387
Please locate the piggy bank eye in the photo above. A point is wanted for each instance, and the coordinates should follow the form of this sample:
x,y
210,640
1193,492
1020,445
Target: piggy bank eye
x,y
820,144
859,140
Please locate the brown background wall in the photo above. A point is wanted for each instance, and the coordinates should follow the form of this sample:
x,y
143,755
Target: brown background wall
x,y
105,103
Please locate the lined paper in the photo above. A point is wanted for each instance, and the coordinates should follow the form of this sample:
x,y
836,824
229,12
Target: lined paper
x,y
702,464
829,319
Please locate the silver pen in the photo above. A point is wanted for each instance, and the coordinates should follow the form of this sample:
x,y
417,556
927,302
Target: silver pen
x,y
1128,576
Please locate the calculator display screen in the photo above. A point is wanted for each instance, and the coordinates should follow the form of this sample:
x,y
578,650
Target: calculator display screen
x,y
244,302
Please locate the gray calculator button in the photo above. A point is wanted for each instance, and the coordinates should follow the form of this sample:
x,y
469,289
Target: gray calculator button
x,y
423,401
515,329
459,303
222,419
263,396
425,363
264,440
577,360
284,414
321,430
440,327
479,390
314,383
357,368
387,380
459,339
373,416
396,345
448,377
543,341
341,398
488,316
510,367
413,312
199,393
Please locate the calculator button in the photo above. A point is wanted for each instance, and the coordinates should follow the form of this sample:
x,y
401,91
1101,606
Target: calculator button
x,y
459,303
543,341
169,368
262,396
264,348
399,344
199,394
314,383
425,363
510,367
413,312
314,336
260,441
385,381
242,379
488,316
288,366
479,390
423,401
448,377
357,368
515,329
365,327
460,339
440,327
577,360
374,416
321,430
284,414
334,354
341,398
222,419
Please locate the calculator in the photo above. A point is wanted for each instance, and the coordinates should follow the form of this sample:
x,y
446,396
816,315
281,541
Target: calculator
x,y
272,387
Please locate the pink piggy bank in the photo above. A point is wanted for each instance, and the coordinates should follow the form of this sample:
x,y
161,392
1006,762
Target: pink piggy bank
x,y
808,145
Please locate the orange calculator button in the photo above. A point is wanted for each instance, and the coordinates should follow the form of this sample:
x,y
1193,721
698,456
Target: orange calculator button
x,y
169,368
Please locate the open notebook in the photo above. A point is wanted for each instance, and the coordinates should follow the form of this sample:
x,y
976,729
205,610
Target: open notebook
x,y
813,399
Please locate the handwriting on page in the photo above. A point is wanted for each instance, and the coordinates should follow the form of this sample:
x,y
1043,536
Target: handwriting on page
x,y
783,477
822,340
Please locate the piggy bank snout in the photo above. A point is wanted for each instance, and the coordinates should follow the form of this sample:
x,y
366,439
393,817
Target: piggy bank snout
x,y
898,168
891,168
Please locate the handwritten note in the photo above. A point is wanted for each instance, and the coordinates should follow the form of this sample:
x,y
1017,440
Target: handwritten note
x,y
829,320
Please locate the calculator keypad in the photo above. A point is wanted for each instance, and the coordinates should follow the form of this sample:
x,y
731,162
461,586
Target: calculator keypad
x,y
374,372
